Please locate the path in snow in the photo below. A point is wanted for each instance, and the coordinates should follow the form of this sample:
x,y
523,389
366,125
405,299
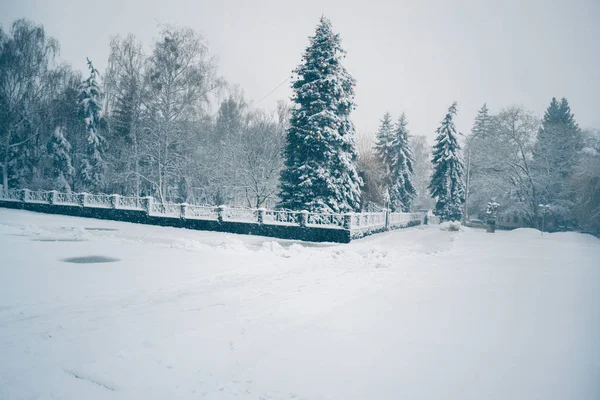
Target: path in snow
x,y
417,313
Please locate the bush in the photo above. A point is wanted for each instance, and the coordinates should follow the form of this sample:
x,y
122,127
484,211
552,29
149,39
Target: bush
x,y
452,226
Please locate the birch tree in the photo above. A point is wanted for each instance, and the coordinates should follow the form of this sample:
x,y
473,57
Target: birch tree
x,y
260,160
124,90
422,171
180,76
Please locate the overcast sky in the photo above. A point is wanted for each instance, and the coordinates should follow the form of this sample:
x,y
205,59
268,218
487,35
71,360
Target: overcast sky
x,y
413,56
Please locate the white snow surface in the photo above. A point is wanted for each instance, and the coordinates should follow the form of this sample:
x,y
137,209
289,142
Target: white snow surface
x,y
418,313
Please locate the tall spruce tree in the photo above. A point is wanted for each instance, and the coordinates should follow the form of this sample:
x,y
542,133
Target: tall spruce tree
x,y
482,124
92,164
555,155
475,141
320,171
59,150
446,184
556,151
559,139
401,189
384,139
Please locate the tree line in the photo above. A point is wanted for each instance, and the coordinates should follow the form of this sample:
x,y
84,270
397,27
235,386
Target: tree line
x,y
145,126
533,167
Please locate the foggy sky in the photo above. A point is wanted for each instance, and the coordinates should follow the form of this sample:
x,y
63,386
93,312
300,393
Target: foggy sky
x,y
414,56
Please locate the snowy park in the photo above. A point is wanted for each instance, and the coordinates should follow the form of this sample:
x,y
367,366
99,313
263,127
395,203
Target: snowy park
x,y
332,200
94,309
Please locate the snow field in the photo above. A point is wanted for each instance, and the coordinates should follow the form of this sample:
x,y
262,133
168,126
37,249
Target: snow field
x,y
418,313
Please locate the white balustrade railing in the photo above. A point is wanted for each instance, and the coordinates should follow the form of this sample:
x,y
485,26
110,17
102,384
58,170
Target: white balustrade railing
x,y
399,218
368,220
282,217
240,214
201,212
67,198
38,197
363,224
130,202
404,219
98,200
326,219
166,209
359,224
11,195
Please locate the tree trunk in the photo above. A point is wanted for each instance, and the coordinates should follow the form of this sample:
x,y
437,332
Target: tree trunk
x,y
5,177
137,164
467,188
5,170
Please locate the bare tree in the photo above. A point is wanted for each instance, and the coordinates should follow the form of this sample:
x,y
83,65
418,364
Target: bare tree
x,y
422,171
259,159
501,162
283,115
242,158
180,77
372,171
124,90
219,149
586,183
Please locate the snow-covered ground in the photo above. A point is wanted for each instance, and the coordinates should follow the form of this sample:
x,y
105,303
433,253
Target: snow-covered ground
x,y
418,313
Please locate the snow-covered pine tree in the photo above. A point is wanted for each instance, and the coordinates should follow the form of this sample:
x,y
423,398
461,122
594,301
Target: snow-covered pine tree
x,y
482,124
555,155
401,189
59,150
475,147
446,184
320,171
384,138
559,139
92,164
558,144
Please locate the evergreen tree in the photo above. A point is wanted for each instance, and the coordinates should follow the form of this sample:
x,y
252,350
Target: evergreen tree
x,y
401,188
320,171
475,148
59,150
92,164
482,124
559,139
555,154
227,135
446,184
384,139
231,119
